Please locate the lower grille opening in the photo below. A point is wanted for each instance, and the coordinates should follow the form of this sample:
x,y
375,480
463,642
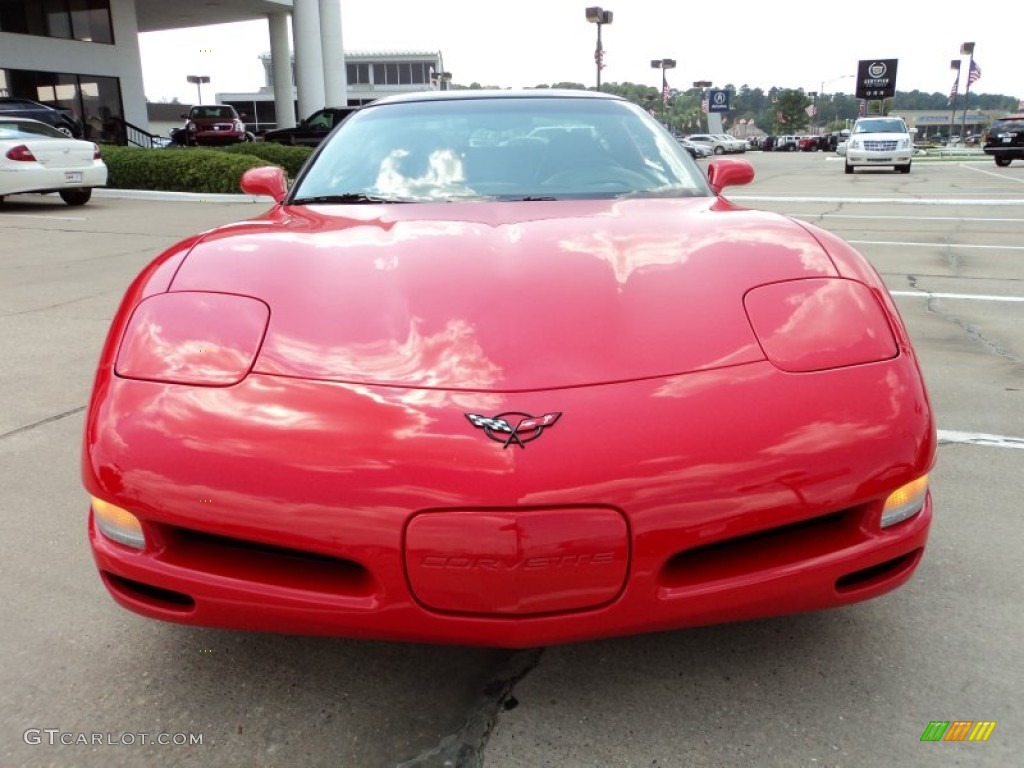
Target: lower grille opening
x,y
876,574
772,548
266,563
147,593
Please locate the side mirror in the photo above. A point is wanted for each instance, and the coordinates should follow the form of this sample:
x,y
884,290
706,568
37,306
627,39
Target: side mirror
x,y
729,173
268,181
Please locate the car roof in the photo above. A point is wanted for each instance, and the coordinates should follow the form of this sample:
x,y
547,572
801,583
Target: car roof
x,y
467,94
5,119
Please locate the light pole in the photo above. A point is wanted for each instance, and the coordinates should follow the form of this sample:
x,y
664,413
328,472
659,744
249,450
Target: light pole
x,y
198,80
599,16
703,84
821,91
954,65
443,78
966,49
663,64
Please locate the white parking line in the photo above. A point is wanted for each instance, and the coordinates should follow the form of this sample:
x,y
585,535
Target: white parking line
x,y
964,296
938,245
40,216
877,200
979,438
994,173
902,218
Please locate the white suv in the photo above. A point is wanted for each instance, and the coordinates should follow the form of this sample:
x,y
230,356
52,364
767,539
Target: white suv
x,y
879,141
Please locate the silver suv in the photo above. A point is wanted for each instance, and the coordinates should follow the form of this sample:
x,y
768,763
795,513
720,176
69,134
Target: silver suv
x,y
879,141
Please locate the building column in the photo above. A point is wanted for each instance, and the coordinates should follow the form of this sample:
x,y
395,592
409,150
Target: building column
x,y
309,60
335,81
281,66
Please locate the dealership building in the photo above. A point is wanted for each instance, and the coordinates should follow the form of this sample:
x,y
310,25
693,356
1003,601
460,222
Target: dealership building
x,y
84,54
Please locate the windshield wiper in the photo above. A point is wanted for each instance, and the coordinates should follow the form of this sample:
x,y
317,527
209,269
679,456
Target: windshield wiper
x,y
347,197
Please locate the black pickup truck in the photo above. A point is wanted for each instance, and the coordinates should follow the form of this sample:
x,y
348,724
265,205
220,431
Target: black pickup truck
x,y
311,131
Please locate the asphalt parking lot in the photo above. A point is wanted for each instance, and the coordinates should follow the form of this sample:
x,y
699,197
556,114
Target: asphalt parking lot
x,y
850,687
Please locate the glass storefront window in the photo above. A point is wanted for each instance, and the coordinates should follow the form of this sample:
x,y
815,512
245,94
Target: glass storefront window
x,y
85,20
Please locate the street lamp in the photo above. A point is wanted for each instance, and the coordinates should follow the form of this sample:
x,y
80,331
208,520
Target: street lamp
x,y
966,49
599,16
443,78
821,91
198,80
663,64
702,84
954,65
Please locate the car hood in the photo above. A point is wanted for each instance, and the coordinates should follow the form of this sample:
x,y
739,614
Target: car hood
x,y
507,296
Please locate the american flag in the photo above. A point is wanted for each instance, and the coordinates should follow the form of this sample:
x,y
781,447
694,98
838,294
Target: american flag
x,y
811,111
599,58
704,105
665,93
975,73
955,89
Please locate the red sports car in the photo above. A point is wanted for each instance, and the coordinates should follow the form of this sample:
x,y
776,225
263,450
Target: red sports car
x,y
472,382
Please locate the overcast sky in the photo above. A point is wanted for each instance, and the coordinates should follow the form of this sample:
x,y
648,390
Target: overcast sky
x,y
528,42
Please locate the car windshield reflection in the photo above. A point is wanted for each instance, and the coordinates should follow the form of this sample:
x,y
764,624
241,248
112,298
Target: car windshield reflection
x,y
477,149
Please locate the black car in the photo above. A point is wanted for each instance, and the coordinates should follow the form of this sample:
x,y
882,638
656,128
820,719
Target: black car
x,y
64,120
311,131
1005,139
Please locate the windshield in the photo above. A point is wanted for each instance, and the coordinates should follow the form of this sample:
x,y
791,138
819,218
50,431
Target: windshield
x,y
27,129
502,148
213,113
880,126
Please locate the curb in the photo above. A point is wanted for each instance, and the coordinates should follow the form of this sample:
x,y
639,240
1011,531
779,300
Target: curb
x,y
181,197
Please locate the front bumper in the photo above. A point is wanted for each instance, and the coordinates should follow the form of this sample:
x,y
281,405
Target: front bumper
x,y
868,157
298,506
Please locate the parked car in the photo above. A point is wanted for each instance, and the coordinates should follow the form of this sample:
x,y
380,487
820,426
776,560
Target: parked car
x,y
1005,139
879,141
785,143
696,150
311,131
449,390
38,158
211,125
716,144
64,120
808,143
732,144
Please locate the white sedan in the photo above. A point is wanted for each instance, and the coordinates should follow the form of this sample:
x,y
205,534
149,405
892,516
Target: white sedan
x,y
37,158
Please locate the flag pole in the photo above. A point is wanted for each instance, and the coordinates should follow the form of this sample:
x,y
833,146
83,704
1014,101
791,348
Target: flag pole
x,y
954,65
967,48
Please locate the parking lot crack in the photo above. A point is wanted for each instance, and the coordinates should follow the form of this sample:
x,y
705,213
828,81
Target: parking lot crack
x,y
972,331
464,748
41,422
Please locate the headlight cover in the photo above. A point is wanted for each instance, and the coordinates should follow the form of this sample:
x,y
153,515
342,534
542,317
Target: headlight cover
x,y
820,323
193,337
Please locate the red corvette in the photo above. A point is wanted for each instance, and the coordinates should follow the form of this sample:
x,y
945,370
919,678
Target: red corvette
x,y
505,369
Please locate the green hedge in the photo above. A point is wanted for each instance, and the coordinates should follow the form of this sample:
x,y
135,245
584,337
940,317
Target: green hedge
x,y
289,158
177,170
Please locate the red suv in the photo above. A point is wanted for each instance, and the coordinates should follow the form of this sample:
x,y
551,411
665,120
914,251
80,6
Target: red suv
x,y
211,125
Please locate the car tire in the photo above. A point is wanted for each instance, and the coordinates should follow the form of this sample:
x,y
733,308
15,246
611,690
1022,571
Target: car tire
x,y
1002,162
77,196
849,168
903,168
719,150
